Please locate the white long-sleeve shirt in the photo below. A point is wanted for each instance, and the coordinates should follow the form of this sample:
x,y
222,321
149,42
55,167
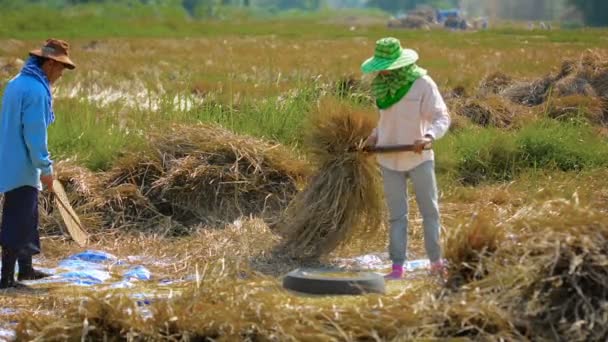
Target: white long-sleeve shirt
x,y
421,112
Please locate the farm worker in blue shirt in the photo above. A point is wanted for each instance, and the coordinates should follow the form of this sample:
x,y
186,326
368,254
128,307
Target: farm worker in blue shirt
x,y
27,112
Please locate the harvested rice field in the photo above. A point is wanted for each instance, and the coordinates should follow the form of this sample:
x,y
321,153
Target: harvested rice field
x,y
205,165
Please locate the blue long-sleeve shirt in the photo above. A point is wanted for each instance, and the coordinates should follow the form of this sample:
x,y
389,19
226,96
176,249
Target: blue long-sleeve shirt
x,y
24,153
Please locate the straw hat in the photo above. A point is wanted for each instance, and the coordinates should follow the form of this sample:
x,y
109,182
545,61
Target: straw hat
x,y
389,55
57,50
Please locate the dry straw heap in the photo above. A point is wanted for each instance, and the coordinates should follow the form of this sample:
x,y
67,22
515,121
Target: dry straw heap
x,y
537,273
187,176
579,89
342,202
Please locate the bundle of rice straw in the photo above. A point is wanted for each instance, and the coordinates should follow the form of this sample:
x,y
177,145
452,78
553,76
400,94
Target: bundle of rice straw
x,y
494,83
564,271
470,246
342,203
201,174
214,175
492,111
571,107
530,93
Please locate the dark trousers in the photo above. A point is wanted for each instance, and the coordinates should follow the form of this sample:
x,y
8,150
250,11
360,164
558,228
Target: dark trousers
x,y
19,236
19,229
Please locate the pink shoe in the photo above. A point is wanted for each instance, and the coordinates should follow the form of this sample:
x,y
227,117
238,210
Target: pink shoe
x,y
439,268
396,273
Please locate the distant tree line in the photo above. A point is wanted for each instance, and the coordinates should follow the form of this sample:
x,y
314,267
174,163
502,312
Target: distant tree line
x,y
594,12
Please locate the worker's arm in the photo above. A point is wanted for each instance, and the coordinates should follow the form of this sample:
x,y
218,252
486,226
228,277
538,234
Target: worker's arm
x,y
35,131
434,106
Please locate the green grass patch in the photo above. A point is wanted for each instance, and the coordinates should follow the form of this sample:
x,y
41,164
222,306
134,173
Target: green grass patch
x,y
477,155
93,136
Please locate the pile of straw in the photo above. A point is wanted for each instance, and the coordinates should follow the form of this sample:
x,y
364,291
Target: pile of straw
x,y
470,247
494,84
579,89
201,174
212,175
564,291
587,76
548,278
529,93
566,108
493,111
342,201
188,176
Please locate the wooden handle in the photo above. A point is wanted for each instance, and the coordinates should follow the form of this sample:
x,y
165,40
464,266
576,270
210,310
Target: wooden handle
x,y
393,148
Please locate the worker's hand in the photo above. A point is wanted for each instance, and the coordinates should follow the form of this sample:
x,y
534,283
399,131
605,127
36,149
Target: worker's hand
x,y
47,181
371,141
421,144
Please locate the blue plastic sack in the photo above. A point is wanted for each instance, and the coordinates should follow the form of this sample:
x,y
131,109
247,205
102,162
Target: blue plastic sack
x,y
75,265
94,256
138,272
85,277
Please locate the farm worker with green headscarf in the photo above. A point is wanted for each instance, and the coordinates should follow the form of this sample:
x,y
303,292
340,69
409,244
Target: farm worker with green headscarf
x,y
412,112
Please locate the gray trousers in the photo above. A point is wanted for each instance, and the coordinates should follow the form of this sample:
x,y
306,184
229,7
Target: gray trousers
x,y
425,188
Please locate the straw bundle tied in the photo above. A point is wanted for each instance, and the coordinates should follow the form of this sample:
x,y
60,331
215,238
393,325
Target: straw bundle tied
x,y
342,203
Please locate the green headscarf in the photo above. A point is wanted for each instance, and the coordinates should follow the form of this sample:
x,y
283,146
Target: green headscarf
x,y
389,89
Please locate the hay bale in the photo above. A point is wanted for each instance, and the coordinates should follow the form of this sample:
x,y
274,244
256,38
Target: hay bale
x,y
188,176
590,108
342,201
543,269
